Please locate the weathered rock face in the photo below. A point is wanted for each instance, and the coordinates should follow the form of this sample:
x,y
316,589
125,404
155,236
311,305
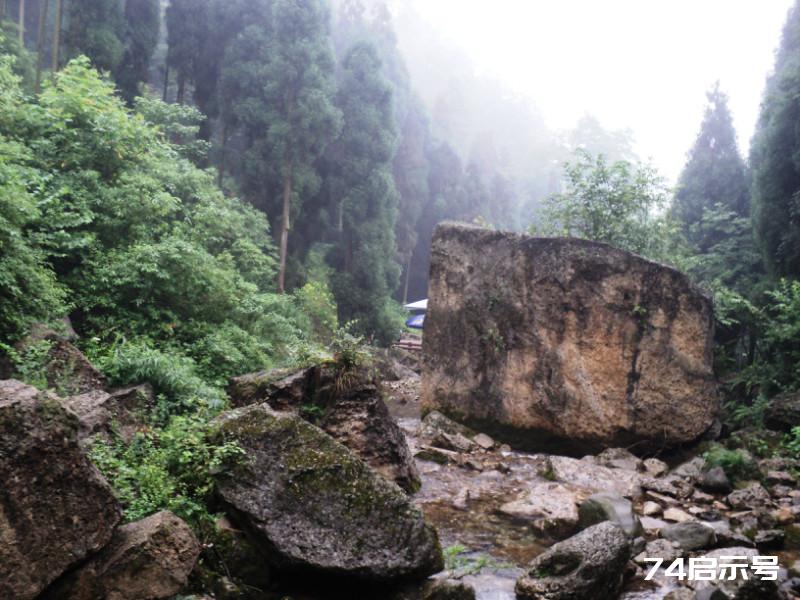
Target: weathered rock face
x,y
783,412
121,411
354,414
55,507
587,565
314,506
67,369
147,559
565,344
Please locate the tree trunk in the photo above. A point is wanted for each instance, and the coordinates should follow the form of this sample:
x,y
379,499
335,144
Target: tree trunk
x,y
408,275
2,9
57,36
22,23
166,76
223,148
287,205
40,43
181,88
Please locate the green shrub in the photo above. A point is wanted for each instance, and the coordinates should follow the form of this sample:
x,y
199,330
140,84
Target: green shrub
x,y
170,468
174,377
737,464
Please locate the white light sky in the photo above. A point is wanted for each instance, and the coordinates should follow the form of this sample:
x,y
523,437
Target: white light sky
x,y
638,64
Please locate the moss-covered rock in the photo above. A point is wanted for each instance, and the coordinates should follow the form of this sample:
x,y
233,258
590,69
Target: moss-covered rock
x,y
312,505
55,507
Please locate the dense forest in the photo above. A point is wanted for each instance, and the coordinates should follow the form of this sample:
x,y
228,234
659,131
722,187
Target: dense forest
x,y
211,187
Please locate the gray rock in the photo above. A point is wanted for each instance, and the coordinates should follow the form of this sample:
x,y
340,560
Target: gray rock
x,y
690,535
315,507
550,508
354,414
715,481
619,458
484,441
610,507
435,424
664,549
588,565
655,467
534,339
120,412
55,507
691,469
753,496
751,588
595,478
151,558
783,412
770,539
651,509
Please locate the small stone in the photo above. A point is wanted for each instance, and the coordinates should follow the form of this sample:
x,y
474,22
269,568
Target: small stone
x,y
780,477
702,497
784,516
619,458
651,509
661,498
691,469
652,525
715,481
664,549
677,515
655,467
461,499
771,539
752,496
719,505
691,535
484,441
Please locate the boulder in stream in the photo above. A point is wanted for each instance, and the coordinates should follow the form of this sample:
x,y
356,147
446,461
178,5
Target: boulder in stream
x,y
565,345
590,564
313,506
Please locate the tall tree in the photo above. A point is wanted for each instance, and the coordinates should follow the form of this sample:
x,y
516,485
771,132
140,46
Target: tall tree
x,y
57,35
365,254
283,99
96,28
142,22
714,175
44,4
774,158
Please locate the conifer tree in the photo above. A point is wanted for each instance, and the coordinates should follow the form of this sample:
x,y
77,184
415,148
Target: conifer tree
x,y
774,159
142,22
281,91
364,258
714,176
95,28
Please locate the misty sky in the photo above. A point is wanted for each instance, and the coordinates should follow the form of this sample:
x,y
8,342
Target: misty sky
x,y
643,65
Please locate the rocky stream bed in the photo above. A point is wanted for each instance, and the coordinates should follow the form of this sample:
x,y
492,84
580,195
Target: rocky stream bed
x,y
505,507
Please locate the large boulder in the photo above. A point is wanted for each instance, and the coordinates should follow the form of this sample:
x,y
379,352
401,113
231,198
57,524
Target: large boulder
x,y
783,412
145,560
565,344
348,406
590,564
55,507
313,506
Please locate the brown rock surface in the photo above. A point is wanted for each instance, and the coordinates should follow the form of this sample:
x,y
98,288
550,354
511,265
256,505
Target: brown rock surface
x,y
565,344
121,411
145,560
353,413
55,507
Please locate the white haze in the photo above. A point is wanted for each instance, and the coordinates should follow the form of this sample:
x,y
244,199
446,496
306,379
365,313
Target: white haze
x,y
642,65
